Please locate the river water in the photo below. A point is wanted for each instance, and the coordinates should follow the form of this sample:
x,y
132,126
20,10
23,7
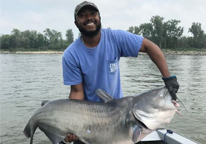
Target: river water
x,y
27,79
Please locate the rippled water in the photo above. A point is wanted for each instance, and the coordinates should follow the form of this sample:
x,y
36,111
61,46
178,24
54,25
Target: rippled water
x,y
28,79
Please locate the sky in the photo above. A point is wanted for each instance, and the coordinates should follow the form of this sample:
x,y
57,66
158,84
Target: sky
x,y
116,14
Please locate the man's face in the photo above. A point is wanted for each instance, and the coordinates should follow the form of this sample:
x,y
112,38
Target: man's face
x,y
88,21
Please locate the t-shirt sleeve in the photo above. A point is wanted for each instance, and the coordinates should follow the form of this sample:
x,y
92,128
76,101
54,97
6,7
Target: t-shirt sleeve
x,y
128,43
71,72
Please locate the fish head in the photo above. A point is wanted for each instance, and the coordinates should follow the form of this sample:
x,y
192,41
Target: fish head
x,y
154,108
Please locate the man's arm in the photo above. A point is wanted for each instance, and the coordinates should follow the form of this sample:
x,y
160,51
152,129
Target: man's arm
x,y
156,56
77,92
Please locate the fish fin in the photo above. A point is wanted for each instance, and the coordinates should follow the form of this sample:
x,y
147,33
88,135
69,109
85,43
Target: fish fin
x,y
136,130
44,102
136,133
53,137
29,131
103,95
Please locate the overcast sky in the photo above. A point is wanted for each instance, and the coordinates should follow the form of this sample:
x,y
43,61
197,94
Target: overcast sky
x,y
116,14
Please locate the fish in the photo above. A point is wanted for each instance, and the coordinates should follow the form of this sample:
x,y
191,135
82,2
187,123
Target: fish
x,y
114,121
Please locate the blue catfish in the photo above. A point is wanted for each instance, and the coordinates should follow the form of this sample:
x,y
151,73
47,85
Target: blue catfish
x,y
114,121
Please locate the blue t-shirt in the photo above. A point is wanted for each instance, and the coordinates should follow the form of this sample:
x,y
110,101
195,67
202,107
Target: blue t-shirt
x,y
98,67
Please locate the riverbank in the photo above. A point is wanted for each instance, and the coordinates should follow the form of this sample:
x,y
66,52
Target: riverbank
x,y
32,52
187,52
165,51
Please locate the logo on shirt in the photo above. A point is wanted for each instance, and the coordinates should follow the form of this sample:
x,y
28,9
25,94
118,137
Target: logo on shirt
x,y
113,67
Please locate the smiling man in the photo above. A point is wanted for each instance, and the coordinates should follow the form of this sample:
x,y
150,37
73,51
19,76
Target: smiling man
x,y
92,61
87,19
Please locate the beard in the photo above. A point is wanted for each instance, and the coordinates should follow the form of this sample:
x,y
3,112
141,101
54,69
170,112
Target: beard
x,y
90,33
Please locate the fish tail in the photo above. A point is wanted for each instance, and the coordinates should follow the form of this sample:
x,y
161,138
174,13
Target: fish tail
x,y
29,130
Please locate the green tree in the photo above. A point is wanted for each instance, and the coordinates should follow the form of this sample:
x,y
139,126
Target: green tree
x,y
134,29
157,33
183,42
48,35
29,39
5,42
196,30
204,41
198,35
16,38
52,38
57,36
131,29
146,30
25,39
171,33
33,40
40,41
69,36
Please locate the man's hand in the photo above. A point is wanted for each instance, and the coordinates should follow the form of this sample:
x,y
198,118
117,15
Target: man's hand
x,y
172,85
71,138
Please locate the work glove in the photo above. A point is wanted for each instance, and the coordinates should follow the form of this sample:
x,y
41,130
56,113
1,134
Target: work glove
x,y
172,85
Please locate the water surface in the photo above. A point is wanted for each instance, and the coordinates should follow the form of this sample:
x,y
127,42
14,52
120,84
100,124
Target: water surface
x,y
27,79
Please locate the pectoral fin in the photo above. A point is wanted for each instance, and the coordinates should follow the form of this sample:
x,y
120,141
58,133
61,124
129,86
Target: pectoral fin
x,y
136,133
53,137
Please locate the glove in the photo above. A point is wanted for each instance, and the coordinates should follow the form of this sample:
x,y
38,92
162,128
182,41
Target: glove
x,y
172,85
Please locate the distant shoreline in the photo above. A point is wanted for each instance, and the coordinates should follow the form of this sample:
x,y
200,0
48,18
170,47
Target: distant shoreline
x,y
32,52
165,51
187,52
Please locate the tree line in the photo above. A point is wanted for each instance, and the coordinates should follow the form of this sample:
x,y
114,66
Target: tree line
x,y
35,41
166,35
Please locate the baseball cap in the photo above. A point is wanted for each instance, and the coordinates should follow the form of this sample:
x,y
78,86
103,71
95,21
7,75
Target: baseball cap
x,y
83,4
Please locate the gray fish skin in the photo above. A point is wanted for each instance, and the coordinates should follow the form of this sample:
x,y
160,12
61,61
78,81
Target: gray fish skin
x,y
123,121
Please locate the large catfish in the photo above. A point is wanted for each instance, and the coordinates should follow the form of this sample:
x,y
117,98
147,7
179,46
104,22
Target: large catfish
x,y
114,121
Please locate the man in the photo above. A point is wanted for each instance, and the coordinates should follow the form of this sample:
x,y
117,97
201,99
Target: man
x,y
92,61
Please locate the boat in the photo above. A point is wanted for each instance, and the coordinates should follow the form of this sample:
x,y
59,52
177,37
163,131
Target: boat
x,y
164,136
